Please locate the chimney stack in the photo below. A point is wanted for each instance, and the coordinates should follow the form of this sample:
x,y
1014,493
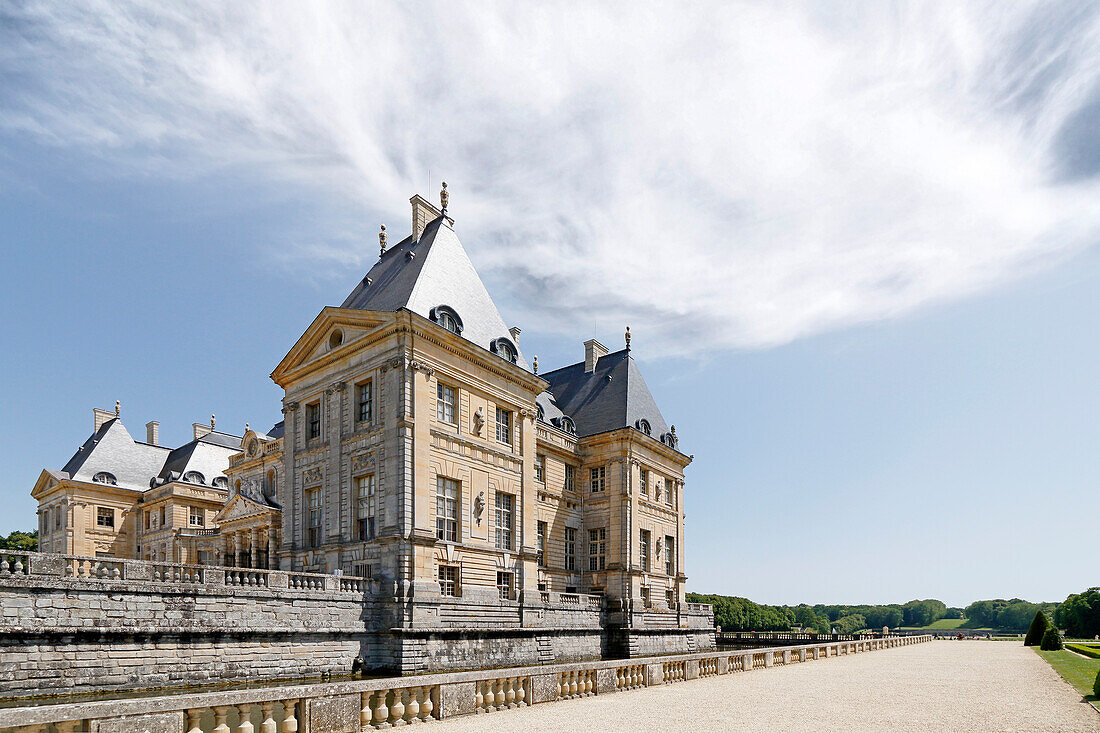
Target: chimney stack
x,y
201,429
515,331
593,351
100,417
152,432
423,212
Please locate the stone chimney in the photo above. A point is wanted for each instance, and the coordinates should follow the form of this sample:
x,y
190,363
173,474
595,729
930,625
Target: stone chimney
x,y
593,350
201,430
152,432
515,331
423,212
100,417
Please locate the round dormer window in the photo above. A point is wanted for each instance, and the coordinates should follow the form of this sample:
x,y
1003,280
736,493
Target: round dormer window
x,y
103,477
194,477
446,316
505,349
253,448
568,425
643,425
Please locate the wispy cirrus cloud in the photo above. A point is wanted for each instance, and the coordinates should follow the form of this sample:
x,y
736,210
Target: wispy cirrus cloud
x,y
731,174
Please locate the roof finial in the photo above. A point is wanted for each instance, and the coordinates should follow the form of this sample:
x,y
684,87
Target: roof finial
x,y
246,427
382,241
444,197
628,338
536,364
211,421
118,407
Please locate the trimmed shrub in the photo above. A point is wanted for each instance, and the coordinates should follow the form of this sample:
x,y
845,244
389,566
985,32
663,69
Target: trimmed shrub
x,y
1052,640
1039,626
1088,651
1096,684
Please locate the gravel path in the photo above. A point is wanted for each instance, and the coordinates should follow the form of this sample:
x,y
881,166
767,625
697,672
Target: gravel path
x,y
938,686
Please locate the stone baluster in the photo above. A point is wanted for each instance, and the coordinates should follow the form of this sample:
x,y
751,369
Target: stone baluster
x,y
510,692
194,720
412,707
244,718
397,709
268,724
521,692
220,713
66,726
572,684
479,695
380,712
426,704
290,722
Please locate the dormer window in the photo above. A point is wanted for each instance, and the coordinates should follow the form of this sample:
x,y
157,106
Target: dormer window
x,y
220,482
643,425
568,425
541,413
669,439
104,477
505,349
194,477
446,316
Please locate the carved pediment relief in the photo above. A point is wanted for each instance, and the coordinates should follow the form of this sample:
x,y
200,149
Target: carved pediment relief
x,y
312,475
362,462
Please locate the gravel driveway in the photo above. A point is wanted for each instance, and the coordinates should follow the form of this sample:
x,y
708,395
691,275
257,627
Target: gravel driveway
x,y
938,686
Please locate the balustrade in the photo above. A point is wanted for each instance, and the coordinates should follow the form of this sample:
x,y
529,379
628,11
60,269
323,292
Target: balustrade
x,y
90,567
306,581
708,667
736,664
500,693
674,672
246,578
578,683
569,599
399,706
178,573
14,563
758,661
630,677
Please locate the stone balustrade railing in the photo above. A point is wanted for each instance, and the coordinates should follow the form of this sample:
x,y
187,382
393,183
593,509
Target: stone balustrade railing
x,y
15,564
355,706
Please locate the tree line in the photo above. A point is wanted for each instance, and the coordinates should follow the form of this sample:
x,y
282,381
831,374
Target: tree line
x,y
24,541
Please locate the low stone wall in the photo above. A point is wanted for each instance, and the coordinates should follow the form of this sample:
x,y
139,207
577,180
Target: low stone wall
x,y
350,707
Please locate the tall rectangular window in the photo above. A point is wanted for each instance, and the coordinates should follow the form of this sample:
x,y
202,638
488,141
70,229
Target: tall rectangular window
x,y
198,517
597,548
670,492
503,516
597,478
540,468
570,474
570,548
505,583
643,549
365,506
445,404
313,517
104,516
313,421
57,512
643,482
541,545
448,580
504,426
446,509
365,401
645,597
670,555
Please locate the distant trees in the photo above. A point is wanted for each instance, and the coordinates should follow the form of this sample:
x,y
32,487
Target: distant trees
x,y
954,613
740,614
24,541
1079,614
923,613
1039,626
1012,615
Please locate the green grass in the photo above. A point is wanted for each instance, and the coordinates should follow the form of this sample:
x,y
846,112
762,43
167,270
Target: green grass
x,y
943,623
1075,669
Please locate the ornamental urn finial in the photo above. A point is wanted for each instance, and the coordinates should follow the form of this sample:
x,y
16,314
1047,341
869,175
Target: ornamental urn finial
x,y
212,421
628,338
118,407
444,197
535,364
382,241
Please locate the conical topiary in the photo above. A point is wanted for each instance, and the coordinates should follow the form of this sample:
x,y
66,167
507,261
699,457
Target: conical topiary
x,y
1039,626
1052,640
1096,684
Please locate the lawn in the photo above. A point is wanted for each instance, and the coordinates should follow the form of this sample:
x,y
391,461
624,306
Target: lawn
x,y
943,623
1077,670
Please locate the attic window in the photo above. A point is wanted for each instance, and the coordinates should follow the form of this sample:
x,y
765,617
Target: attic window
x,y
104,477
505,349
335,338
568,425
669,439
541,413
220,482
194,477
643,425
446,316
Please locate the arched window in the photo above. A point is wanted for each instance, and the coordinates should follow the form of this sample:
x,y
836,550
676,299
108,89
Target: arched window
x,y
269,483
568,426
220,482
446,316
194,477
505,349
643,425
103,477
669,439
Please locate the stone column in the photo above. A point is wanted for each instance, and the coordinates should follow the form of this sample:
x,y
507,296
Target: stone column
x,y
252,558
236,549
270,548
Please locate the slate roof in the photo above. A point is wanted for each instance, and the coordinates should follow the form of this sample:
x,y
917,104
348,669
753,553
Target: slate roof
x,y
438,272
135,465
614,395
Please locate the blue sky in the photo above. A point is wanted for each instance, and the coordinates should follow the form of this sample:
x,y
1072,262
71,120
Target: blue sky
x,y
857,249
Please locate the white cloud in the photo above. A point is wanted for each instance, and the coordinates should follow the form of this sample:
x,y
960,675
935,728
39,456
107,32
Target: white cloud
x,y
750,172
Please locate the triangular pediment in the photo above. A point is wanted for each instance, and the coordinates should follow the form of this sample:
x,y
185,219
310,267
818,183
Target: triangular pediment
x,y
317,345
46,481
240,507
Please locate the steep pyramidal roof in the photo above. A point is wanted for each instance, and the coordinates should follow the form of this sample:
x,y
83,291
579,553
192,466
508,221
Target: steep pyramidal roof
x,y
434,270
614,395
